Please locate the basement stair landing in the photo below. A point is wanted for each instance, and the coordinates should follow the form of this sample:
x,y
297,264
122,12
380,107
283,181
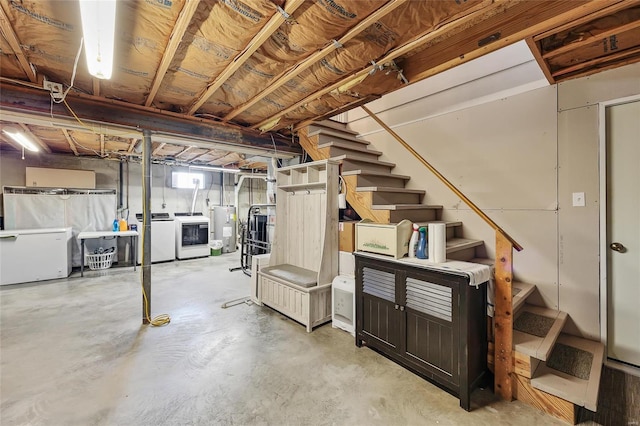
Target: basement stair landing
x,y
553,372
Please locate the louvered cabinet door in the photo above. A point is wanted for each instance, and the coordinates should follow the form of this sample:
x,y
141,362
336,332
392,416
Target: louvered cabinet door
x,y
380,314
431,331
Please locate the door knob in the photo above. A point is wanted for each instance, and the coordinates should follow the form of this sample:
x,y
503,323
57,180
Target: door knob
x,y
618,247
396,307
402,308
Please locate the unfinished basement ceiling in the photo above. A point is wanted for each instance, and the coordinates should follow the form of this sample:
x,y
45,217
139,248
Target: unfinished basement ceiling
x,y
221,81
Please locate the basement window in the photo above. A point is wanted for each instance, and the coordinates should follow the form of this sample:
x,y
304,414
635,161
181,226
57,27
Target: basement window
x,y
187,180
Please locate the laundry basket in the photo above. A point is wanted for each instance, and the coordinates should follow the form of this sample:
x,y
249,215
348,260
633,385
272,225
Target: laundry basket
x,y
100,260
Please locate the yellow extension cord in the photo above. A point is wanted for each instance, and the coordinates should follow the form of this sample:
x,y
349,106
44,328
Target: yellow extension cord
x,y
162,319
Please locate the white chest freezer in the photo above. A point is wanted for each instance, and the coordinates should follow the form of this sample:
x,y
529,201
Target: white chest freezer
x,y
34,255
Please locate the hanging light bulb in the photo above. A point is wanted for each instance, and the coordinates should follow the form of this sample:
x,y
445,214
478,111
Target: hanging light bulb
x,y
98,28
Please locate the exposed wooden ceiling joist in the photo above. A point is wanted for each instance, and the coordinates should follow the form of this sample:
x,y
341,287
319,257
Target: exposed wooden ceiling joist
x,y
186,14
508,24
630,54
158,148
457,25
191,160
572,49
591,39
184,151
308,62
90,109
270,27
96,86
35,138
560,33
224,161
213,160
16,46
538,57
610,8
70,141
132,144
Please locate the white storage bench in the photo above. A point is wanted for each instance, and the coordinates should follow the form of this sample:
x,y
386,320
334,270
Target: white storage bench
x,y
304,252
294,291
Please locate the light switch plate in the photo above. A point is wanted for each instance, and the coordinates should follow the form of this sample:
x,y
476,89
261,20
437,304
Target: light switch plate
x,y
578,199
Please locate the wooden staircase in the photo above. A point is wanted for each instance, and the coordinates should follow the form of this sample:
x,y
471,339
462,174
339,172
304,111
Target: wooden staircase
x,y
373,190
543,374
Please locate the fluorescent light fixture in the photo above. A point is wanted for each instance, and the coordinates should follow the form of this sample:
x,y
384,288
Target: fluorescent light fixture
x,y
22,139
98,29
215,169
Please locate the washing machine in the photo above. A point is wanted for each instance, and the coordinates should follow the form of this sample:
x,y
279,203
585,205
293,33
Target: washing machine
x,y
163,237
343,303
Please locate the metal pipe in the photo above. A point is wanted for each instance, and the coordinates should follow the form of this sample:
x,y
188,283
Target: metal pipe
x,y
196,183
146,225
121,184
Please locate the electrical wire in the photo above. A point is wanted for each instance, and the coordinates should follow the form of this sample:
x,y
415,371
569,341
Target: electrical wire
x,y
162,319
73,76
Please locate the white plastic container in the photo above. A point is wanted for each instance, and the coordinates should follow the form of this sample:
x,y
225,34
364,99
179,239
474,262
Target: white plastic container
x,y
413,242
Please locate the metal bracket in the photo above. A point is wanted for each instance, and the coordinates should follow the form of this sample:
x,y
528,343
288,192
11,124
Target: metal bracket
x,y
288,18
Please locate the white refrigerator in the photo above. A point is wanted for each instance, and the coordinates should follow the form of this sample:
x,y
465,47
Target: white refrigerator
x,y
28,255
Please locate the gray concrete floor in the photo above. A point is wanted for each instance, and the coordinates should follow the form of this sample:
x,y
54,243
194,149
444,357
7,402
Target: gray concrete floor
x,y
74,352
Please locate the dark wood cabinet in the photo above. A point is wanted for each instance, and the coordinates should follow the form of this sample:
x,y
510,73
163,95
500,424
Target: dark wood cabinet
x,y
428,320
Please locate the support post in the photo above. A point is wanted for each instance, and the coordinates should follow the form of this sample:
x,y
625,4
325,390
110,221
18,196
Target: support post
x,y
503,316
146,226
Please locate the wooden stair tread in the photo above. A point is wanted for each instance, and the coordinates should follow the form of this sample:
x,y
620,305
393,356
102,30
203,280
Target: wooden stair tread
x,y
351,147
483,261
377,174
448,224
457,244
338,134
351,157
520,296
578,391
534,346
403,207
334,125
389,189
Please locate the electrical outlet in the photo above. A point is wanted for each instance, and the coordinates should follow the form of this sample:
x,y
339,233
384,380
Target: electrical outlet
x,y
54,88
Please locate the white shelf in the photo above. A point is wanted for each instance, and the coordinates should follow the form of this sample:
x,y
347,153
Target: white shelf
x,y
303,186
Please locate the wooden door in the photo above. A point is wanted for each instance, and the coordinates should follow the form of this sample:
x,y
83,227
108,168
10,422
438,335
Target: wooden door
x,y
623,232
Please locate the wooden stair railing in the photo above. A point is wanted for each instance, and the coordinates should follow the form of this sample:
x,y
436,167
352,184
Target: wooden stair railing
x,y
503,312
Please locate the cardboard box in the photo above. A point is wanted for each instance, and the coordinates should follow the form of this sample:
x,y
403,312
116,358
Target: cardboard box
x,y
391,239
347,236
